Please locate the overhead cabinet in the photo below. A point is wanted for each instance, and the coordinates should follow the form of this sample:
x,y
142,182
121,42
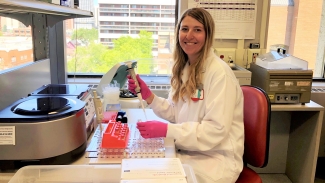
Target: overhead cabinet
x,y
23,10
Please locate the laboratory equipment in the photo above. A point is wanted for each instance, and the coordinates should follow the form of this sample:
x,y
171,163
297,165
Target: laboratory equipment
x,y
116,135
79,173
42,130
99,110
111,94
137,89
231,62
109,115
285,78
79,91
122,140
228,55
119,74
243,75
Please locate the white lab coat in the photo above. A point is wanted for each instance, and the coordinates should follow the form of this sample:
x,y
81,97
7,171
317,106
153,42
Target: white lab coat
x,y
209,133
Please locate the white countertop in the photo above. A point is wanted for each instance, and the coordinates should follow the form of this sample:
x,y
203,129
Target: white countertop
x,y
311,106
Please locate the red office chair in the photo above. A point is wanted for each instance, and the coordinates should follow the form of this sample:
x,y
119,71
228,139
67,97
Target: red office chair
x,y
257,110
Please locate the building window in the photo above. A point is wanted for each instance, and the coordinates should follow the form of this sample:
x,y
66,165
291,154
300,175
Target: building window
x,y
15,40
287,25
143,19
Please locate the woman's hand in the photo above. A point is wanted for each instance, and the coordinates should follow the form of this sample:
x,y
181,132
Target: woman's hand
x,y
144,89
152,129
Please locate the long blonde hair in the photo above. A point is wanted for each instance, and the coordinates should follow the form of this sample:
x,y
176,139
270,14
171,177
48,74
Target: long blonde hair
x,y
180,57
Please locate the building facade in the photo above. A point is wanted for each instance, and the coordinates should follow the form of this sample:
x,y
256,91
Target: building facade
x,y
86,23
118,18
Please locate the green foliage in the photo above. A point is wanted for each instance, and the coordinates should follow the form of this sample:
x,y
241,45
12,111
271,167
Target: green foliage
x,y
4,28
1,34
89,59
85,35
97,58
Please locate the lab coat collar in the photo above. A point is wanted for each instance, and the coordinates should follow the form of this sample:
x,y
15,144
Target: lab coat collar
x,y
208,60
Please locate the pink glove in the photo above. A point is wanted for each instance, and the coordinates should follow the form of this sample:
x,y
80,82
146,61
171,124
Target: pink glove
x,y
152,129
145,91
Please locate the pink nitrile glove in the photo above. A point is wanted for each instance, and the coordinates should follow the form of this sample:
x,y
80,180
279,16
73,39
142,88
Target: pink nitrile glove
x,y
152,129
145,91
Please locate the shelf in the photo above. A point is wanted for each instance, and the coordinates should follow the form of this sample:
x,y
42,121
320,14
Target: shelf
x,y
19,7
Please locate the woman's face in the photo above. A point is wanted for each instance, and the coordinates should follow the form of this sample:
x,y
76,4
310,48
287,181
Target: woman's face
x,y
191,37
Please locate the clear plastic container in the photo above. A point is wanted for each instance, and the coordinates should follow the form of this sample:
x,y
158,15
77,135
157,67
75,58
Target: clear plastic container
x,y
77,173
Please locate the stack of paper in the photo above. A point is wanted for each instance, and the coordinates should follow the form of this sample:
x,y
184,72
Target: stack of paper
x,y
158,170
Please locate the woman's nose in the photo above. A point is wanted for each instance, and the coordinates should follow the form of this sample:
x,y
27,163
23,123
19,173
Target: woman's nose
x,y
189,35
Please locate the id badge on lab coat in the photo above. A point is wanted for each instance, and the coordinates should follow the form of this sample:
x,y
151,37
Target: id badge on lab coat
x,y
198,95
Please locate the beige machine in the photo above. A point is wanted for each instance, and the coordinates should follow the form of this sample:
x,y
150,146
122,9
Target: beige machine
x,y
285,78
243,75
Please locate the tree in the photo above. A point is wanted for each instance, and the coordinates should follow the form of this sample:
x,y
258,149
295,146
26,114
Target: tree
x,y
89,59
85,35
128,48
97,58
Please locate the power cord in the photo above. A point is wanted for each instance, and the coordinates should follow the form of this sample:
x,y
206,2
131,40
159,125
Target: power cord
x,y
75,53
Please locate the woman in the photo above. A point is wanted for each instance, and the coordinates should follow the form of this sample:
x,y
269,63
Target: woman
x,y
204,107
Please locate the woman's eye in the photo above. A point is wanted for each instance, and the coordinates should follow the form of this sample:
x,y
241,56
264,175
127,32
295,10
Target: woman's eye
x,y
198,30
184,29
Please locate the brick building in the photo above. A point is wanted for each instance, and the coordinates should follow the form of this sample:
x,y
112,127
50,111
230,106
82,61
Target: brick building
x,y
13,58
22,32
15,51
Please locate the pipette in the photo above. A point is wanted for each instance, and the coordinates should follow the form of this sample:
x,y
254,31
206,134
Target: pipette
x,y
137,89
99,110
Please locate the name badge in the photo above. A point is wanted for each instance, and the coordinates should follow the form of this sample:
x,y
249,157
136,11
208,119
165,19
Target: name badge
x,y
199,93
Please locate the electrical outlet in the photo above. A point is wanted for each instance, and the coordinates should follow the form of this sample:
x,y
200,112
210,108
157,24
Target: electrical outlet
x,y
226,53
254,57
252,54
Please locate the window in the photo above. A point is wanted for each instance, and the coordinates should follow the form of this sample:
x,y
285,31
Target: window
x,y
297,24
15,42
132,35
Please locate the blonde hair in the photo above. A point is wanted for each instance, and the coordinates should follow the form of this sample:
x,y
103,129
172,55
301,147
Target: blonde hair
x,y
181,58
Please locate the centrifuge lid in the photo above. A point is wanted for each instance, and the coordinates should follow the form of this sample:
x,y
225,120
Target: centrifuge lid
x,y
61,89
118,73
41,108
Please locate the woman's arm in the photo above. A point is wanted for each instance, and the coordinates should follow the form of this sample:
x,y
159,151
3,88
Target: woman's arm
x,y
163,108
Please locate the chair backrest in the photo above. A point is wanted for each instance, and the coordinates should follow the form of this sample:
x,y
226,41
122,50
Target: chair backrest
x,y
257,111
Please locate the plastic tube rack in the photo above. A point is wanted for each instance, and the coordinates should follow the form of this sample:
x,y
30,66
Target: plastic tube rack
x,y
133,147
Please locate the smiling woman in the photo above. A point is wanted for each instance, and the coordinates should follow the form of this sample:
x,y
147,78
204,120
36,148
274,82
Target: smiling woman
x,y
204,107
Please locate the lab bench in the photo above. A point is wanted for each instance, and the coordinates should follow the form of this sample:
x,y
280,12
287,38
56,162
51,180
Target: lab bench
x,y
295,131
294,141
133,116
